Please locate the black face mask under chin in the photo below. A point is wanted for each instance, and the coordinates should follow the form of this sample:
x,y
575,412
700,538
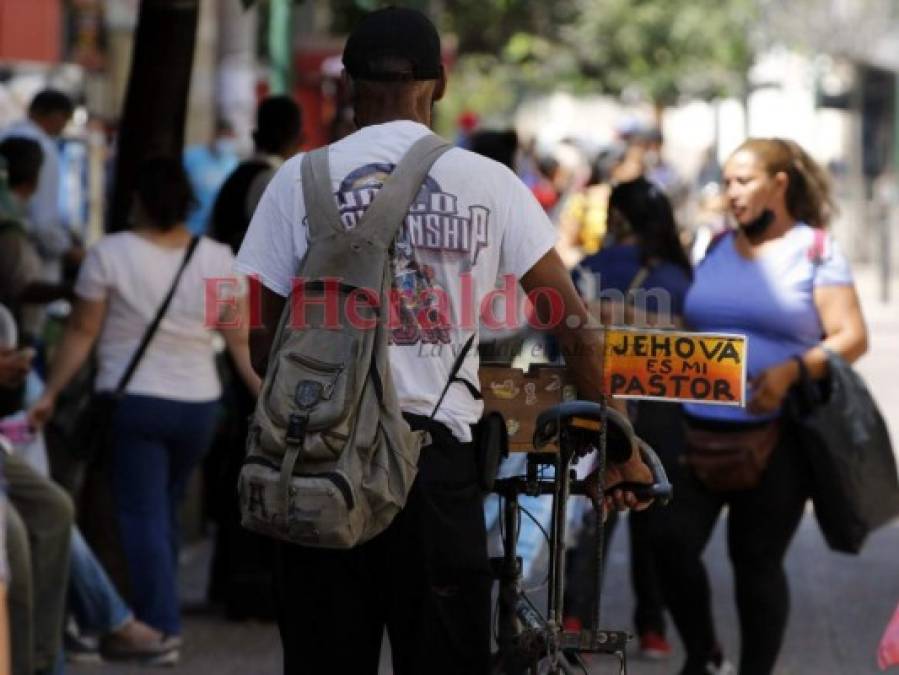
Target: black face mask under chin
x,y
757,226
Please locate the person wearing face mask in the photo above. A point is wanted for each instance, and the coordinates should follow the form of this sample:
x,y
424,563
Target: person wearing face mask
x,y
781,280
208,166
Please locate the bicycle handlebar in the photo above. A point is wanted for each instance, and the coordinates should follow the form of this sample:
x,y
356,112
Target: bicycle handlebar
x,y
660,489
586,416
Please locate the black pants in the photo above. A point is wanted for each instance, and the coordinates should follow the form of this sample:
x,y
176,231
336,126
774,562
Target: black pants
x,y
240,575
761,523
426,579
661,426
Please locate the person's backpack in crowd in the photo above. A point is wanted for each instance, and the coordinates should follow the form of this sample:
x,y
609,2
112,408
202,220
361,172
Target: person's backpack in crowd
x,y
330,458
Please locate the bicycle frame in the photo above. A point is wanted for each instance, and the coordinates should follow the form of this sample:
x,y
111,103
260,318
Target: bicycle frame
x,y
525,637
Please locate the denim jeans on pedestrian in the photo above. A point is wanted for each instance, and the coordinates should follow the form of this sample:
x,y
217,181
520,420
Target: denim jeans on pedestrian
x,y
94,601
156,444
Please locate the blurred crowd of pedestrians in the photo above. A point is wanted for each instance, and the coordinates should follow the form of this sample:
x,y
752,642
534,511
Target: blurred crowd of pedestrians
x,y
65,600
182,394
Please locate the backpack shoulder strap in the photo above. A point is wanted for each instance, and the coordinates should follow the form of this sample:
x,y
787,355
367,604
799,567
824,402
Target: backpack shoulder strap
x,y
400,189
321,209
393,199
454,377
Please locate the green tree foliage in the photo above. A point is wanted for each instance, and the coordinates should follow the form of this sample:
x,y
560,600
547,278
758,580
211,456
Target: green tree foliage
x,y
665,48
660,50
489,26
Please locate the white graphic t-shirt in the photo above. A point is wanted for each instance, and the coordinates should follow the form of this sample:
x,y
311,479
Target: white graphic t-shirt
x,y
473,222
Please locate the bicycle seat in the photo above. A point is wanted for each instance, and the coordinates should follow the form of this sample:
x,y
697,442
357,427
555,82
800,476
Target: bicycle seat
x,y
587,416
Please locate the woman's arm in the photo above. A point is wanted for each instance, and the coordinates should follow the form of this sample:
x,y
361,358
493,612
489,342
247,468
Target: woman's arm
x,y
82,330
845,334
234,327
844,328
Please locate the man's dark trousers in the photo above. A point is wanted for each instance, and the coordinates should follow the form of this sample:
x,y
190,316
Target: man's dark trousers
x,y
426,579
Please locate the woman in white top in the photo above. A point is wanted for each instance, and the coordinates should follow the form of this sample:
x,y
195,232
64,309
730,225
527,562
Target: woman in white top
x,y
165,422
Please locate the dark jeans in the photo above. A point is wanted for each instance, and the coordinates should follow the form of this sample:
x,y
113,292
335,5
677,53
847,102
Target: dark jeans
x,y
156,444
760,525
426,579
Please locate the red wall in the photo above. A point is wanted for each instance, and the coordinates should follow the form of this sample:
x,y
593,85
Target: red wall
x,y
30,30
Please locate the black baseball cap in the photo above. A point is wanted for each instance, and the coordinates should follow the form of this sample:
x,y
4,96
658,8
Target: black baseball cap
x,y
393,33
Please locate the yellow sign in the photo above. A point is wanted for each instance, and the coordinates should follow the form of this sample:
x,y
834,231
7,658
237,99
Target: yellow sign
x,y
675,366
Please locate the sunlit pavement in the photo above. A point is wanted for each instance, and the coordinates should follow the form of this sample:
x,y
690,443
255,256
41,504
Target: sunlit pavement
x,y
840,603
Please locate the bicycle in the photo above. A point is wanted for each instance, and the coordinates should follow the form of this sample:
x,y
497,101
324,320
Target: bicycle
x,y
529,642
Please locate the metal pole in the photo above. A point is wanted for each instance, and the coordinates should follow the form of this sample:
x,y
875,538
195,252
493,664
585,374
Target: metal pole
x,y
554,537
280,52
560,512
557,548
599,532
891,207
510,577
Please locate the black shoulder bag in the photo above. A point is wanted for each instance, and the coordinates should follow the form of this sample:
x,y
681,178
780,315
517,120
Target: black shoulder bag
x,y
854,484
93,426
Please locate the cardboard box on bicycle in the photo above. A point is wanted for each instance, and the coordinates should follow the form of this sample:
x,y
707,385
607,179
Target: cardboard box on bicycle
x,y
521,396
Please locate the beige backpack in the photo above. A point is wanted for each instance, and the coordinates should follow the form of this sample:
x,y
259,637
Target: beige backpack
x,y
330,459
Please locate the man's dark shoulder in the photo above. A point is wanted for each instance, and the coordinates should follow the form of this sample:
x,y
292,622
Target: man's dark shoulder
x,y
229,219
246,171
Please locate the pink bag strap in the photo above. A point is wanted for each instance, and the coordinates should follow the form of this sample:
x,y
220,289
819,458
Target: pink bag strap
x,y
819,251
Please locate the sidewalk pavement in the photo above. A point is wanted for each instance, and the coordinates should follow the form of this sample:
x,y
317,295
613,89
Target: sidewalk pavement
x,y
840,604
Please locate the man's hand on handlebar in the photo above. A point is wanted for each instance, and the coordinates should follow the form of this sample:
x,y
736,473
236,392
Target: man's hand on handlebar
x,y
634,470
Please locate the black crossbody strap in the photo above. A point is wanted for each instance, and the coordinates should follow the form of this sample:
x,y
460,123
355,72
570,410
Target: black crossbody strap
x,y
453,377
154,325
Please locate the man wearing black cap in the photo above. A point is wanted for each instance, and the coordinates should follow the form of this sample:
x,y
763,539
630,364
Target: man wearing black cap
x,y
426,578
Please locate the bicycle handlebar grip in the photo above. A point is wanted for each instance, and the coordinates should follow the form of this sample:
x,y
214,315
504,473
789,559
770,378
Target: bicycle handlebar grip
x,y
660,489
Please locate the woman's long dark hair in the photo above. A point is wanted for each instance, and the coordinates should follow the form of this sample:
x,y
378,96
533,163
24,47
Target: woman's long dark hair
x,y
651,218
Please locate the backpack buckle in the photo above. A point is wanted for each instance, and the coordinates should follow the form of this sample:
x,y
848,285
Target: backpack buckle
x,y
296,430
